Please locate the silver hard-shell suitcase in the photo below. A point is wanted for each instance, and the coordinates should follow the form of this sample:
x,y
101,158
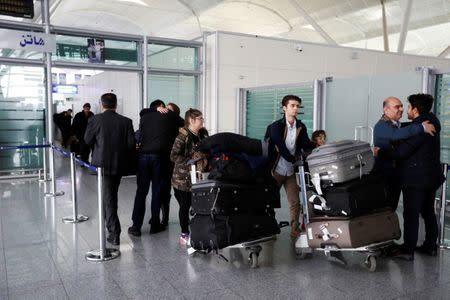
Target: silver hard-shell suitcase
x,y
341,161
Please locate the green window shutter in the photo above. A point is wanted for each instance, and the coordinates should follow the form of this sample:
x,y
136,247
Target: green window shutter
x,y
263,106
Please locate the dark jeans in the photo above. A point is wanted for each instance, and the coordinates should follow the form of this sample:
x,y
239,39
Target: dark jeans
x,y
415,201
151,168
110,190
165,194
184,199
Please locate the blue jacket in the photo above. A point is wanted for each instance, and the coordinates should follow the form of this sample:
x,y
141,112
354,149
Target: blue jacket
x,y
276,136
385,133
418,157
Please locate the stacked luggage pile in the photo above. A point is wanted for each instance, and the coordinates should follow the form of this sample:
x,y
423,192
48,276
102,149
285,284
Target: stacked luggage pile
x,y
348,202
236,203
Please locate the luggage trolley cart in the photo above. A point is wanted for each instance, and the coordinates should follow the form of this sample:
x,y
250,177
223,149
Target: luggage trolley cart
x,y
332,252
252,247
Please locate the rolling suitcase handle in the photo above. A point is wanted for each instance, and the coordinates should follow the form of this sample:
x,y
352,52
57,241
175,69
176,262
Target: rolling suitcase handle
x,y
303,197
359,129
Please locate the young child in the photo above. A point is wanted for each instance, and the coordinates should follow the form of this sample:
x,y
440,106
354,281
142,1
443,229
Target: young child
x,y
319,137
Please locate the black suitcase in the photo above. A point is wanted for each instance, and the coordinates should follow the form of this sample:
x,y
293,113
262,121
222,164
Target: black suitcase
x,y
354,198
215,232
225,198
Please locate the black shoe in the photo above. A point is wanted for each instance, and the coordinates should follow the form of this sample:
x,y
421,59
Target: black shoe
x,y
426,250
113,239
403,254
134,231
157,228
164,223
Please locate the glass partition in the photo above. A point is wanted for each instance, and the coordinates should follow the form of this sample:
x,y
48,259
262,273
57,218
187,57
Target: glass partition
x,y
180,89
22,119
172,57
263,106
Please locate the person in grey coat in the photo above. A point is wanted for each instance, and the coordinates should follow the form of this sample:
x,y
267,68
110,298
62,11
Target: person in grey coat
x,y
112,136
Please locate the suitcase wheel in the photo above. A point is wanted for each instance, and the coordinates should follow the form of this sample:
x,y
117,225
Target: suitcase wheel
x,y
371,263
253,259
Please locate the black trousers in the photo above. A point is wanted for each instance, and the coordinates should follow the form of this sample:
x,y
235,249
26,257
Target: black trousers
x,y
110,199
184,199
393,191
165,194
419,201
84,151
151,168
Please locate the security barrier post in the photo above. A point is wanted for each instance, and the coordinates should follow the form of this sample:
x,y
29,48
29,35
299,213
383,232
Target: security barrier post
x,y
53,192
103,254
76,218
442,243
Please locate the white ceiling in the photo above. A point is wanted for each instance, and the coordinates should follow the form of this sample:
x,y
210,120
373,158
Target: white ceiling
x,y
356,23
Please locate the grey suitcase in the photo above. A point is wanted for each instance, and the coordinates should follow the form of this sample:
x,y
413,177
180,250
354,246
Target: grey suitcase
x,y
353,233
341,161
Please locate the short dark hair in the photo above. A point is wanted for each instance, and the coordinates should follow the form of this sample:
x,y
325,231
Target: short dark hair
x,y
69,110
286,99
318,133
191,113
87,104
109,100
423,102
157,103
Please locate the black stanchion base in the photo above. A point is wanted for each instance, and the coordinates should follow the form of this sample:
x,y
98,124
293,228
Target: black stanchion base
x,y
78,219
110,253
54,195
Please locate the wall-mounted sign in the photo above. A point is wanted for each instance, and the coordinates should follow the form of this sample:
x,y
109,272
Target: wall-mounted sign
x,y
65,88
26,40
17,8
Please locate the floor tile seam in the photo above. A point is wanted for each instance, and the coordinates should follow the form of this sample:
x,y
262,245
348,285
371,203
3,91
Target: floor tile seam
x,y
4,257
56,269
118,285
27,290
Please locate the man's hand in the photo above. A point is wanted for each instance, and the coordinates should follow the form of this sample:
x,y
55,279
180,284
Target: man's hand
x,y
163,110
428,128
375,151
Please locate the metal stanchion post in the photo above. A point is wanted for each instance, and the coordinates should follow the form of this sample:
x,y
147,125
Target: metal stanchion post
x,y
103,254
44,162
76,218
442,243
53,192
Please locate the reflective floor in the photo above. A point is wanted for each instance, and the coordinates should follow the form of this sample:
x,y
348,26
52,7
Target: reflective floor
x,y
43,258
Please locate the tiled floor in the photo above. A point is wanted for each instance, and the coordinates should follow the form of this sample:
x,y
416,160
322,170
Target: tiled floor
x,y
43,258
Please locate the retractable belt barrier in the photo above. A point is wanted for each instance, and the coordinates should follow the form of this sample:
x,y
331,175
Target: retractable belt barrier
x,y
443,201
103,253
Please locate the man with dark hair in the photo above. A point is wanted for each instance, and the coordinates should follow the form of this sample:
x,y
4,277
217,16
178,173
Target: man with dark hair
x,y
63,120
79,126
420,175
288,141
157,133
112,136
387,131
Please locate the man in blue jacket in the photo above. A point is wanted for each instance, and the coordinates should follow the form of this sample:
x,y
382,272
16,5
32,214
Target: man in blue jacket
x,y
388,130
288,140
420,175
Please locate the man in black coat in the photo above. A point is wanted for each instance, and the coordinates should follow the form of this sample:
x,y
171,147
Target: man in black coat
x,y
79,126
420,173
63,120
112,136
157,134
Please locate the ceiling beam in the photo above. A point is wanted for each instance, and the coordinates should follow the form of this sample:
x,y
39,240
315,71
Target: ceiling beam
x,y
445,53
385,32
404,28
312,22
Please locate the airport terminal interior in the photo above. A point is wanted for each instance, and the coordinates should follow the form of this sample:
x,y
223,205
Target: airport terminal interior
x,y
234,61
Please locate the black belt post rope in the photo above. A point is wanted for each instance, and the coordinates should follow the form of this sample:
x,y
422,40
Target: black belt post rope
x,y
103,253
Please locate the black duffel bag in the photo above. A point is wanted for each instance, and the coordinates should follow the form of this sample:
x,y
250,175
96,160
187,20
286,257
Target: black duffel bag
x,y
218,231
227,142
224,167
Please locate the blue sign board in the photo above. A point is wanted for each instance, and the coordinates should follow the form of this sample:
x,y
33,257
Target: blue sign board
x,y
65,88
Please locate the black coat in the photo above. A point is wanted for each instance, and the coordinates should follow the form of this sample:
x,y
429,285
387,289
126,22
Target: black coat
x,y
418,157
112,136
79,124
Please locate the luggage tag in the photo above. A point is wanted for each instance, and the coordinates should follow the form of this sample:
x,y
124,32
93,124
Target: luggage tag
x,y
326,234
316,182
323,202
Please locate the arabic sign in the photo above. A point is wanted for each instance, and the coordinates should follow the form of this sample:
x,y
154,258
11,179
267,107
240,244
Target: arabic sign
x,y
28,41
